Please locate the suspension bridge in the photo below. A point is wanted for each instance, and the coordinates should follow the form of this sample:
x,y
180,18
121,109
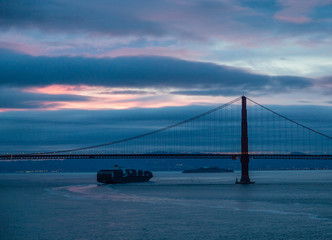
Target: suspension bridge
x,y
240,129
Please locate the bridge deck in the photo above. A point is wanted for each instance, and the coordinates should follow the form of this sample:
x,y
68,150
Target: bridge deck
x,y
8,157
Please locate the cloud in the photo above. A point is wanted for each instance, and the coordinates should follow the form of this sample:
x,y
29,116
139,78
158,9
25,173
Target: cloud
x,y
194,20
274,85
325,84
327,80
19,70
227,32
11,98
99,16
151,51
128,92
297,11
31,130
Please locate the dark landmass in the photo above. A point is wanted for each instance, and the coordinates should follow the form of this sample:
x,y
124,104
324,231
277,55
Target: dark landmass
x,y
93,165
207,170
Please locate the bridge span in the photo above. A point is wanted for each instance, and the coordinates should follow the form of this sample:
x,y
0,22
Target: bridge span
x,y
244,133
6,157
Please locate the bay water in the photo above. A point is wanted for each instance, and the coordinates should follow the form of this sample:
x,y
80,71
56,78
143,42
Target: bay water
x,y
173,205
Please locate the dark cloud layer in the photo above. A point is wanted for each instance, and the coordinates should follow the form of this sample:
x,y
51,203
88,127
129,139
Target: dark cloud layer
x,y
14,98
65,129
99,16
197,19
140,72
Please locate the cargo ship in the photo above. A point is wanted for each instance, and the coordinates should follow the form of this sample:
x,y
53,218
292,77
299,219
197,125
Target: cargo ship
x,y
123,175
207,170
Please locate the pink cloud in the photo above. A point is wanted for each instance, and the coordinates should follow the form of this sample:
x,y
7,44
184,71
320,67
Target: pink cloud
x,y
21,47
298,11
123,102
57,89
153,51
41,49
104,98
293,19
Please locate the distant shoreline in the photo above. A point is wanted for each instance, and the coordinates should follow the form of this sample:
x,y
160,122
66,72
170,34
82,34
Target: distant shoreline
x,y
161,170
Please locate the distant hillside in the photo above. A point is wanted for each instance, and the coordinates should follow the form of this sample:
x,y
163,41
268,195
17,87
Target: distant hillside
x,y
93,165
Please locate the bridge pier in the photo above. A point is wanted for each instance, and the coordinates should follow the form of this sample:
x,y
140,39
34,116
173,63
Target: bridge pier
x,y
244,146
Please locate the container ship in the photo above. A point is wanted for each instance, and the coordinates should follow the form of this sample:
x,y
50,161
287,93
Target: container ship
x,y
123,175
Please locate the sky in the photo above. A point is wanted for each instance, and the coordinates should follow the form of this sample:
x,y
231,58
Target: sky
x,y
77,58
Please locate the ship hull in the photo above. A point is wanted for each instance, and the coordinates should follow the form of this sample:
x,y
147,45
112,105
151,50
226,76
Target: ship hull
x,y
117,180
117,176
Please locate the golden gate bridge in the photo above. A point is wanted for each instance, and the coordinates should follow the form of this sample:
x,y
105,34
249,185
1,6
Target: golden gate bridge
x,y
240,129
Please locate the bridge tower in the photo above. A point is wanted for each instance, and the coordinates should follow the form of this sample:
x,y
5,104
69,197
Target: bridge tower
x,y
244,145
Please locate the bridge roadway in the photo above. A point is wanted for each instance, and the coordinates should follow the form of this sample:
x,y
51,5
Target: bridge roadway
x,y
40,156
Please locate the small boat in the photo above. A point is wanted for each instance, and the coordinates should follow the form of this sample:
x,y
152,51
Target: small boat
x,y
207,170
123,175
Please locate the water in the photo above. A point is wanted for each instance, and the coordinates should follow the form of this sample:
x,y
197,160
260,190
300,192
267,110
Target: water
x,y
281,205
